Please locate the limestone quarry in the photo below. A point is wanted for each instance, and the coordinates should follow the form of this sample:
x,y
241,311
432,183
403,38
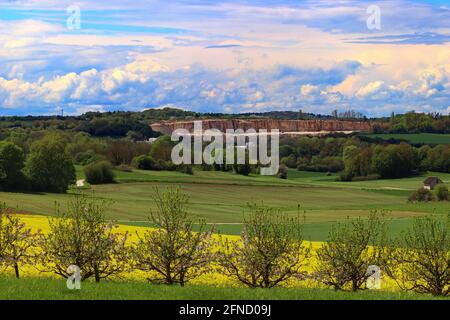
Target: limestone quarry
x,y
287,127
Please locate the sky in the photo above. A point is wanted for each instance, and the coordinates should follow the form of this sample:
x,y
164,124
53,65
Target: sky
x,y
235,56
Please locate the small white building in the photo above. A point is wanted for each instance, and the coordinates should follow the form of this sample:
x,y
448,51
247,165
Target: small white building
x,y
431,182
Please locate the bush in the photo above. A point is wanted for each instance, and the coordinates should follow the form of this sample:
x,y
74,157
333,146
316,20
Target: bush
x,y
367,178
145,163
327,164
345,177
421,195
99,172
289,161
283,171
87,157
185,168
442,193
166,165
242,169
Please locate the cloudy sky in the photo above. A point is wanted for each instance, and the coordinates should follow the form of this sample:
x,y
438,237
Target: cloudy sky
x,y
224,56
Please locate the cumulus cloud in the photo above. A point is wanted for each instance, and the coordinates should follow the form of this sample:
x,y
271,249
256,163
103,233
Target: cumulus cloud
x,y
433,81
378,90
231,56
146,82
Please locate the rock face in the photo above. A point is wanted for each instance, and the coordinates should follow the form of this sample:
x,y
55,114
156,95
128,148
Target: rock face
x,y
284,126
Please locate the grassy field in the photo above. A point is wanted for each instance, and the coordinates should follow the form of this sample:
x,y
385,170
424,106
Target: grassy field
x,y
55,289
220,198
425,138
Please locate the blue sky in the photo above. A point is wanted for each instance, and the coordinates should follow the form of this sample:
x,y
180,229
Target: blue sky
x,y
227,56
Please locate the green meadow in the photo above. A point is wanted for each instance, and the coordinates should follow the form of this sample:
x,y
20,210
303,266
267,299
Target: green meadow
x,y
415,138
219,198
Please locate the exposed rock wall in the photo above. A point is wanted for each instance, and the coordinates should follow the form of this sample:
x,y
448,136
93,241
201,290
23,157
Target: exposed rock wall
x,y
285,126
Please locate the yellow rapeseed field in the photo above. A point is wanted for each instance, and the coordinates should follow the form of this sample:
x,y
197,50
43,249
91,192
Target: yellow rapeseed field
x,y
36,222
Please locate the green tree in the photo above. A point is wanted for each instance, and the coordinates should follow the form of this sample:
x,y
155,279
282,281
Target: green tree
x,y
405,160
17,242
83,237
382,162
271,250
99,172
352,247
173,253
419,260
12,161
161,149
442,193
49,166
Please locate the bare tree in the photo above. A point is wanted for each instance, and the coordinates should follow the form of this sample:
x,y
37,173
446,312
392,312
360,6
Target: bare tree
x,y
343,261
419,260
83,237
271,250
173,253
16,242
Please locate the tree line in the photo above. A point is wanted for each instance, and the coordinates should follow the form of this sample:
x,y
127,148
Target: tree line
x,y
271,252
136,125
358,158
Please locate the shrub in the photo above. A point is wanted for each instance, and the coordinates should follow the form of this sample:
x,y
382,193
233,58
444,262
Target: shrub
x,y
290,161
185,168
283,171
99,172
442,193
367,178
421,195
85,158
345,177
173,253
145,163
327,164
242,169
166,165
271,250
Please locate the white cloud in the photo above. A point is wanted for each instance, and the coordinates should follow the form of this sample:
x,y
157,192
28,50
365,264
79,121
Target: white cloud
x,y
309,90
433,81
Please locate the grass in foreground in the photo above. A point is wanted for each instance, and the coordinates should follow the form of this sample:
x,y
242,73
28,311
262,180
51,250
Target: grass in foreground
x,y
55,289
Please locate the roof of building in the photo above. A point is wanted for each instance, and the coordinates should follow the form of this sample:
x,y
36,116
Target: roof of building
x,y
431,180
